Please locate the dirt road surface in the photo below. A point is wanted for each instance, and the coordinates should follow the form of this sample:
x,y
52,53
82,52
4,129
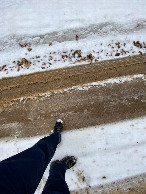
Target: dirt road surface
x,y
25,109
41,82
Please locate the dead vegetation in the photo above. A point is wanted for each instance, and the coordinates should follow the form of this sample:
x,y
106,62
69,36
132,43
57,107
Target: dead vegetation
x,y
118,49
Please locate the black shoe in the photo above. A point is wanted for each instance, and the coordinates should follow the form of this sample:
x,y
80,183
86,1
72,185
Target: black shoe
x,y
69,161
58,126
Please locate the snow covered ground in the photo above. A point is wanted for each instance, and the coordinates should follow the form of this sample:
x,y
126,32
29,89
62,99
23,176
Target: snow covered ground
x,y
25,17
40,35
113,152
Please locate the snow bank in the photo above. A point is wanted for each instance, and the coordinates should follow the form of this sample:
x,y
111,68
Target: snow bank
x,y
18,61
23,17
41,35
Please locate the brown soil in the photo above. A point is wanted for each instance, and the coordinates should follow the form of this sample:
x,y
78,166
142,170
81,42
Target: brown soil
x,y
133,185
28,85
35,114
78,108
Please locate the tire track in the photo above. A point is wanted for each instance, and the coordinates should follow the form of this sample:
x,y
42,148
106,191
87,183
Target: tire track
x,y
41,82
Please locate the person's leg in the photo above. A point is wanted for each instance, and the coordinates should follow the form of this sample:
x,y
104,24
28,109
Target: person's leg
x,y
25,170
56,180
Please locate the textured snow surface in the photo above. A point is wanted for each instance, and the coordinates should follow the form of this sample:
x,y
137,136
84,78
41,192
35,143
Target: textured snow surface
x,y
105,29
25,17
105,153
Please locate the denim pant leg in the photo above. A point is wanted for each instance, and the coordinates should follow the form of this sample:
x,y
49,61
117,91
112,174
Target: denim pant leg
x,y
22,173
56,181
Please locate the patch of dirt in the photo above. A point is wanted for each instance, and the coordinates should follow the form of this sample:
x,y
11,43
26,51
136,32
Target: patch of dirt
x,y
133,185
81,177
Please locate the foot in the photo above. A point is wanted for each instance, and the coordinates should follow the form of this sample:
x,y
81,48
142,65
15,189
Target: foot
x,y
58,128
69,161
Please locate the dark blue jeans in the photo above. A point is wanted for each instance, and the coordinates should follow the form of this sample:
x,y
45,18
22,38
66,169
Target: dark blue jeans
x,y
22,173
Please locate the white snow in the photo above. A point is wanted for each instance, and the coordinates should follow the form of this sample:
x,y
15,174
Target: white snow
x,y
25,17
115,151
99,24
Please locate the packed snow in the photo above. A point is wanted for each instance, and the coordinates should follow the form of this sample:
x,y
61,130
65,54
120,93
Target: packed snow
x,y
42,35
113,152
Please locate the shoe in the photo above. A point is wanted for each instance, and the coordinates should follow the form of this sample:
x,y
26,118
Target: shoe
x,y
69,161
58,126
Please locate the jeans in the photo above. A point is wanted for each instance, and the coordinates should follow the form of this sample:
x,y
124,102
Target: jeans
x,y
22,173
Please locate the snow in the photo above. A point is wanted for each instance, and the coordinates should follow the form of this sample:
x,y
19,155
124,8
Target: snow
x,y
25,17
49,28
41,35
115,151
